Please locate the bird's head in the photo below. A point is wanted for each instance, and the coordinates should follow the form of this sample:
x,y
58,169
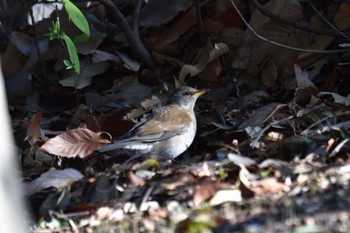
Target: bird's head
x,y
186,97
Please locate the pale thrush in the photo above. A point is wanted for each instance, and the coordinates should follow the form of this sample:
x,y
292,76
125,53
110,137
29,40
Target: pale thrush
x,y
168,131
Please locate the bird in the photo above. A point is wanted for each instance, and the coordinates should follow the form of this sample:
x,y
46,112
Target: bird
x,y
168,131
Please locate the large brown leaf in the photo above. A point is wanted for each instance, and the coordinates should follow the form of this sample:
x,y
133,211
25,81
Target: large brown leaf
x,y
77,142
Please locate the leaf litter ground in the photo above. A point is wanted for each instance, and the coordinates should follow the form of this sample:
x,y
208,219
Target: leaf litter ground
x,y
272,148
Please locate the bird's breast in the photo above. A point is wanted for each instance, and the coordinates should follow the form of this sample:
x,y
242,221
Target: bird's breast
x,y
178,144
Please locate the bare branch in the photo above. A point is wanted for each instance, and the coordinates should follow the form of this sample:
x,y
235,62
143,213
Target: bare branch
x,y
132,37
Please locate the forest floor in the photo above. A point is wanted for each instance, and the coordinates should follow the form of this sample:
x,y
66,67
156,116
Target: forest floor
x,y
272,146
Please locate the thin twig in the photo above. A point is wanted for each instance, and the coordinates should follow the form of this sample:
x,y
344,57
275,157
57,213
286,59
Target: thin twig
x,y
329,23
303,26
283,45
307,130
146,196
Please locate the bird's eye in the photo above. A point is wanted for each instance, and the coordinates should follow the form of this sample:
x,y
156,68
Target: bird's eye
x,y
187,93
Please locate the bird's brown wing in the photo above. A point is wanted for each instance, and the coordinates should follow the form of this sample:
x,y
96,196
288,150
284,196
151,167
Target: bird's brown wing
x,y
163,124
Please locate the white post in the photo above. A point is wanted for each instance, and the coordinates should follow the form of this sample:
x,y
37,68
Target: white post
x,y
12,213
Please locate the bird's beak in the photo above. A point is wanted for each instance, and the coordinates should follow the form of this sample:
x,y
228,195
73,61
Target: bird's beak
x,y
200,92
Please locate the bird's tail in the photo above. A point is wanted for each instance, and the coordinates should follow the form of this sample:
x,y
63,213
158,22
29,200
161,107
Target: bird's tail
x,y
112,146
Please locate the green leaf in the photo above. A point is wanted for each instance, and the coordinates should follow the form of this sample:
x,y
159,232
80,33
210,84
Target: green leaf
x,y
67,63
265,173
343,133
76,16
72,50
307,140
82,37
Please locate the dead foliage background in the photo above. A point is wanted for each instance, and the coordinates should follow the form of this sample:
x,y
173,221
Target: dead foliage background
x,y
272,147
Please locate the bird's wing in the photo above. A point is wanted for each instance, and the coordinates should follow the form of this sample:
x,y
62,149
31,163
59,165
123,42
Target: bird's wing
x,y
167,122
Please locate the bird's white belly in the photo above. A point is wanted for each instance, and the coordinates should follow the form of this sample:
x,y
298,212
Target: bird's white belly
x,y
179,144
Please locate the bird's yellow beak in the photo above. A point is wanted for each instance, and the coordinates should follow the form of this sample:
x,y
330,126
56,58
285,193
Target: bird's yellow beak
x,y
200,92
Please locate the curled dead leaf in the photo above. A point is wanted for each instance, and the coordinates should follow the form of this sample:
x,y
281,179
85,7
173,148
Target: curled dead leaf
x,y
261,187
208,54
34,130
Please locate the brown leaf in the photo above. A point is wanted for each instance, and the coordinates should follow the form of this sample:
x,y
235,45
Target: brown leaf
x,y
207,191
270,185
34,130
77,142
251,183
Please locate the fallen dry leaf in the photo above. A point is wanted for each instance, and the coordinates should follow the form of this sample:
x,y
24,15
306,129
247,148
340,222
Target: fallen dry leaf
x,y
261,187
206,191
77,142
270,185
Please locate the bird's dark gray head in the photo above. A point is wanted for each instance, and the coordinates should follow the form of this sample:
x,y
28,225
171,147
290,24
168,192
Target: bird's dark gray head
x,y
186,97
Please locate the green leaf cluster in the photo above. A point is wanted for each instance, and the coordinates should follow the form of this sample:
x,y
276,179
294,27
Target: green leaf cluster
x,y
80,21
